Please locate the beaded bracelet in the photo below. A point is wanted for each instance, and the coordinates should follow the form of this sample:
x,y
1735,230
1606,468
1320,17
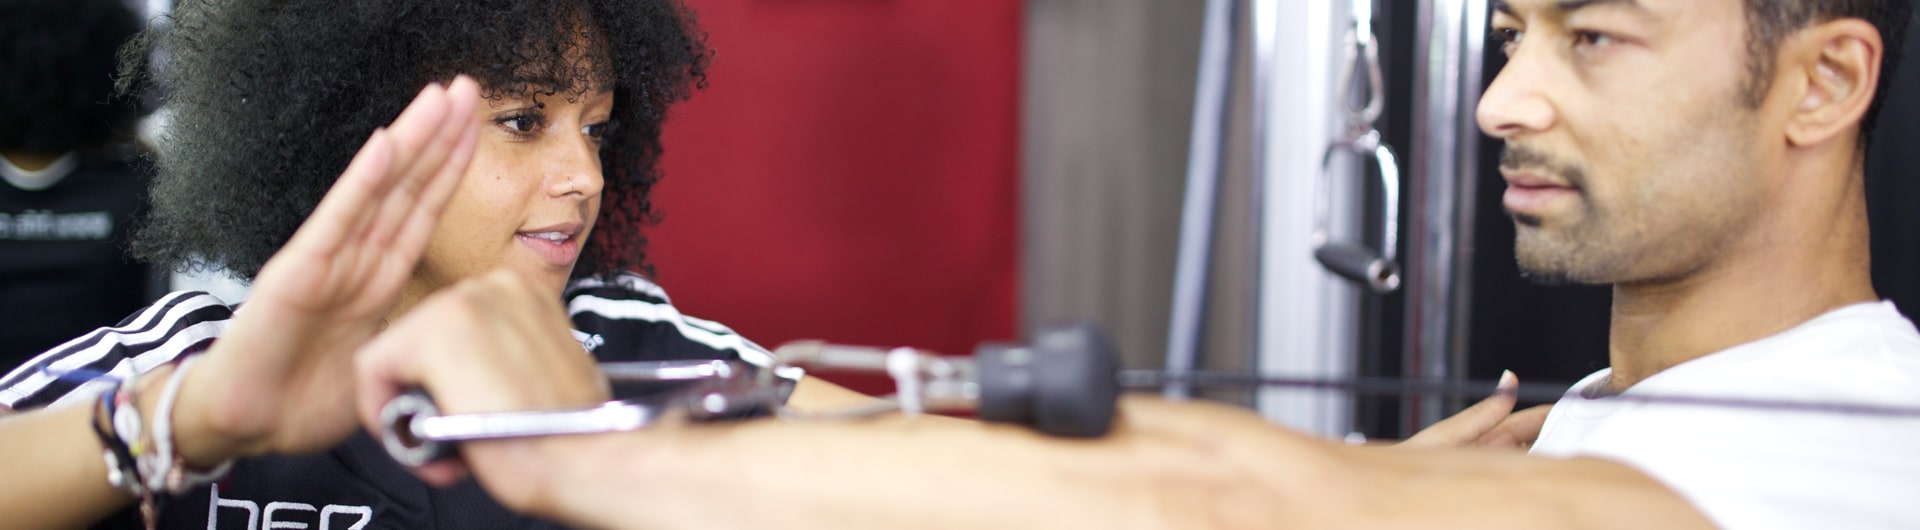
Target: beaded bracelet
x,y
122,473
117,424
142,463
170,474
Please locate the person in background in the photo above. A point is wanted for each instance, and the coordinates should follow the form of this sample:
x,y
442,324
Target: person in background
x,y
70,187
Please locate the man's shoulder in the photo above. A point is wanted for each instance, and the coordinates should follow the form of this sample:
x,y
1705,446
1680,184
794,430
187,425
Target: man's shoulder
x,y
1866,352
1723,430
1871,329
1864,356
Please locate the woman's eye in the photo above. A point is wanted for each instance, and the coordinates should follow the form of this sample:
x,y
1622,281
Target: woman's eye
x,y
597,131
520,123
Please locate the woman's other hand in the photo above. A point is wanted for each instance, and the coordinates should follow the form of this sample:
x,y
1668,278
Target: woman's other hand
x,y
496,343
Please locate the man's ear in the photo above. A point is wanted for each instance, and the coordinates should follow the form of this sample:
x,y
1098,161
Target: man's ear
x,y
1838,64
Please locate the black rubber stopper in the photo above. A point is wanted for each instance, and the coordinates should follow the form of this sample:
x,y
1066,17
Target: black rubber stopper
x,y
1359,264
1064,383
1005,373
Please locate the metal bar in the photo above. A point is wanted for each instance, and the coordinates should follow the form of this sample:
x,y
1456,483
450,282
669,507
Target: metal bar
x,y
1203,183
1372,386
1454,388
637,371
467,427
1467,186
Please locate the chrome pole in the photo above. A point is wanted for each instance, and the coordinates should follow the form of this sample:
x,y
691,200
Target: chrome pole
x,y
1203,184
1444,162
1261,24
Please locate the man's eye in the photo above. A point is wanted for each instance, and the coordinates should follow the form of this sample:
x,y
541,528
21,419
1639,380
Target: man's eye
x,y
1507,38
1591,38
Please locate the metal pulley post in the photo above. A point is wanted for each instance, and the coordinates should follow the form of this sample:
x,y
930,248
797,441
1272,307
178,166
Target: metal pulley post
x,y
1197,212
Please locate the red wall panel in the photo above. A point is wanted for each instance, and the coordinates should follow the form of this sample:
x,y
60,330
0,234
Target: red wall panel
x,y
849,174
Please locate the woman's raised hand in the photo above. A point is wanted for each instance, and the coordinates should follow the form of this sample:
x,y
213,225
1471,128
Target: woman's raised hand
x,y
281,378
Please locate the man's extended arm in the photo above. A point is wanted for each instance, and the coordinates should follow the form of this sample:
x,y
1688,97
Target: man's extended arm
x,y
493,345
1167,465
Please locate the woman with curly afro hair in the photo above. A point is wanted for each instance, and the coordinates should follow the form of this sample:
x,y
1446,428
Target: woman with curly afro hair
x,y
304,155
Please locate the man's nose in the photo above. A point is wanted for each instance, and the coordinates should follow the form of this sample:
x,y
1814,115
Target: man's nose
x,y
1517,103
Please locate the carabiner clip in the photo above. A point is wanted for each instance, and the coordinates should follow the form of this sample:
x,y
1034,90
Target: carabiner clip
x,y
1362,48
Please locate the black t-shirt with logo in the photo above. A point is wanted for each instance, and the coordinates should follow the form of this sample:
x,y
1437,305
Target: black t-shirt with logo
x,y
63,265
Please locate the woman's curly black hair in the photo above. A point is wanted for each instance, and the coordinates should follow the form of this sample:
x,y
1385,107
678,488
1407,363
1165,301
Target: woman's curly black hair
x,y
271,99
56,74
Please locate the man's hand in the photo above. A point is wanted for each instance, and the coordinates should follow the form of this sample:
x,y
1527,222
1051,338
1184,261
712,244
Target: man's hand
x,y
1489,423
492,344
279,380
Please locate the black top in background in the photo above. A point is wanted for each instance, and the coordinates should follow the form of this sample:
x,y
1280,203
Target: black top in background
x,y
1893,193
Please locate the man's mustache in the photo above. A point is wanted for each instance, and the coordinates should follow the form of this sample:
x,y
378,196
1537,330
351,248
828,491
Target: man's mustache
x,y
1516,158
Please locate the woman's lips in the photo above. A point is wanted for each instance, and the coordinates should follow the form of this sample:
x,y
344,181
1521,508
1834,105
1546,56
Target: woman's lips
x,y
557,248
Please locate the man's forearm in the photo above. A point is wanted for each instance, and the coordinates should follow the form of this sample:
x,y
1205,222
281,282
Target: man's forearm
x,y
1166,465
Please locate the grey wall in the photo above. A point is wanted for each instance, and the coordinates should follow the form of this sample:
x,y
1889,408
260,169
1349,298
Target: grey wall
x,y
1107,102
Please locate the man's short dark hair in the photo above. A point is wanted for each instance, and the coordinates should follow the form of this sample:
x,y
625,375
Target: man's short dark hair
x,y
1770,21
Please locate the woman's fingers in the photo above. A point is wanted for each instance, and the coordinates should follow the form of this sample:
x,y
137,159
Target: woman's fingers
x,y
421,123
435,128
437,186
423,164
347,209
336,216
402,168
418,227
418,122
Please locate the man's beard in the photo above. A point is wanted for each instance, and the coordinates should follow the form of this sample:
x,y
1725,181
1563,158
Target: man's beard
x,y
1557,263
1542,274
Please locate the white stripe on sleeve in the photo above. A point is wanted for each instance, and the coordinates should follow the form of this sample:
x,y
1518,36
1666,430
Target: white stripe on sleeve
x,y
30,378
652,312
